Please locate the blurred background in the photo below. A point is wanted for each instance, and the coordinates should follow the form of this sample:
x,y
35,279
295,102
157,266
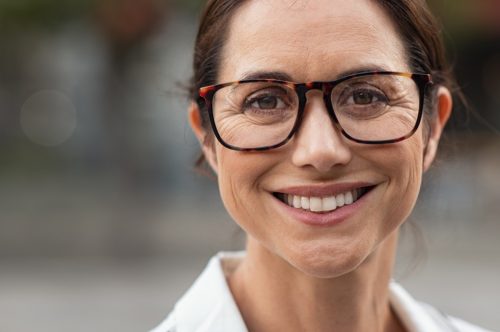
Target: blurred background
x,y
104,223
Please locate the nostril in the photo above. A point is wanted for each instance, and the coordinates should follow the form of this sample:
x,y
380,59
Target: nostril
x,y
320,149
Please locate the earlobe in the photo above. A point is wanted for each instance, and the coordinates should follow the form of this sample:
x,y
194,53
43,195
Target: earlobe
x,y
200,132
438,122
196,122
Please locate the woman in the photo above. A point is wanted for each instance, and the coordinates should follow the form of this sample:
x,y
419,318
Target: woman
x,y
319,119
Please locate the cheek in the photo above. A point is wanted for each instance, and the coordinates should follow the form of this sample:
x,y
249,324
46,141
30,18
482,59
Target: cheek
x,y
239,175
404,167
410,161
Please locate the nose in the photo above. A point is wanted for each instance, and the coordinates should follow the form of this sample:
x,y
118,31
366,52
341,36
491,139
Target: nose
x,y
318,142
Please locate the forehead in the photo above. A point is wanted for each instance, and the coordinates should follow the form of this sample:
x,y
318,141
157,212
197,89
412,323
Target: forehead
x,y
310,39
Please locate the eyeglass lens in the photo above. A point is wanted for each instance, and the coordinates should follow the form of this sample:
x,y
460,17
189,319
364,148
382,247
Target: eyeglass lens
x,y
250,115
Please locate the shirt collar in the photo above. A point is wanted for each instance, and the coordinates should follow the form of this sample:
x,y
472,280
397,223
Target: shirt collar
x,y
209,305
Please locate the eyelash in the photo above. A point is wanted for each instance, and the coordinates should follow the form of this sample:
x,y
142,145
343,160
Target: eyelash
x,y
263,94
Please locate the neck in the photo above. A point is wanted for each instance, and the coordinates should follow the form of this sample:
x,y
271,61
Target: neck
x,y
274,296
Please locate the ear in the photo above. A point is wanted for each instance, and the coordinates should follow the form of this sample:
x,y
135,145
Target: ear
x,y
208,149
444,106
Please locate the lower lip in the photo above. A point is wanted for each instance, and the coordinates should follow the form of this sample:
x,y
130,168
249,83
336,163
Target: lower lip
x,y
331,218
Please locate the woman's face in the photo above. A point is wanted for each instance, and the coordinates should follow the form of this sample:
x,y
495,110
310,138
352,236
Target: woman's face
x,y
317,41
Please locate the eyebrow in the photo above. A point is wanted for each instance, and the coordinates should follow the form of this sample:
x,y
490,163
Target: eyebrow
x,y
282,76
263,75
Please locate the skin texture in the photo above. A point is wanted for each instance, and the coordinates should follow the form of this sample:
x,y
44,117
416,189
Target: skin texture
x,y
295,276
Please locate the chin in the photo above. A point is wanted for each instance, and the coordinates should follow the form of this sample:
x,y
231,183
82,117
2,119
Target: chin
x,y
331,262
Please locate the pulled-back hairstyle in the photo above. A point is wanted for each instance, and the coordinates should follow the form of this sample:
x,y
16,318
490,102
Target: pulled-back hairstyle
x,y
417,27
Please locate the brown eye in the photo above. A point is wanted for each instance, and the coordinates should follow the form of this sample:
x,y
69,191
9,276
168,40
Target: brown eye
x,y
362,97
270,99
365,97
267,102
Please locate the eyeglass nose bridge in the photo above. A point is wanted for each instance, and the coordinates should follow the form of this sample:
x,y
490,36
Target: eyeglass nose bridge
x,y
326,88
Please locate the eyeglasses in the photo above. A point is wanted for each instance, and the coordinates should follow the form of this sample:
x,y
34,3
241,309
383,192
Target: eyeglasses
x,y
367,107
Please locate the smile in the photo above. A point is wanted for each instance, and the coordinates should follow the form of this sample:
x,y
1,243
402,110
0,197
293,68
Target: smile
x,y
323,204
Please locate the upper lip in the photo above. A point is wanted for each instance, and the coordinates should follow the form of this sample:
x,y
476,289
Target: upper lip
x,y
323,190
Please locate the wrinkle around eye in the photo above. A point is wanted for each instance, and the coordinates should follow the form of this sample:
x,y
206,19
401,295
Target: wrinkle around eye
x,y
404,102
404,118
230,131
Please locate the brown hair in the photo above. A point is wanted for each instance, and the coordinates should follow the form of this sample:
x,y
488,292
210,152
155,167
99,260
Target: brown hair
x,y
417,27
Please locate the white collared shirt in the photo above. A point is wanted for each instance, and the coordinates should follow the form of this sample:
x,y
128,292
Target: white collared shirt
x,y
208,306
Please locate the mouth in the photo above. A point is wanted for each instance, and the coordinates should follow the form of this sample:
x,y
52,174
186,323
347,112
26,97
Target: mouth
x,y
323,204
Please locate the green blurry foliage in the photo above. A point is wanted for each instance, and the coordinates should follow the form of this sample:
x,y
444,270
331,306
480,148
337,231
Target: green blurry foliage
x,y
191,5
16,14
464,20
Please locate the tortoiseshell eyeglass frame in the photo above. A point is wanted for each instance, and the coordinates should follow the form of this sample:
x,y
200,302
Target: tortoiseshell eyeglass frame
x,y
206,94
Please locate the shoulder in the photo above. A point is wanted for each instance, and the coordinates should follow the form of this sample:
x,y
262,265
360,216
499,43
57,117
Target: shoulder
x,y
208,305
419,316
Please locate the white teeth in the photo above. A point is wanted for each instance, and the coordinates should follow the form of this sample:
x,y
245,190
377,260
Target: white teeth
x,y
329,203
297,202
322,204
305,202
316,204
340,200
348,198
